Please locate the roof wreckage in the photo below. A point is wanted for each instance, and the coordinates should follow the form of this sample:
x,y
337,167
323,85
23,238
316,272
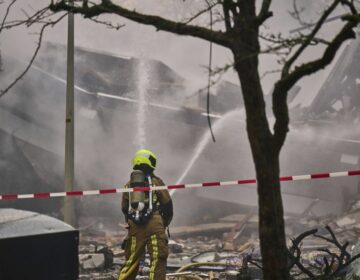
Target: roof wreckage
x,y
324,137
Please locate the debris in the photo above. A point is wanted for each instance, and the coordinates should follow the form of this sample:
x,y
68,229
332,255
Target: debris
x,y
212,229
345,221
92,261
235,232
246,245
223,250
175,247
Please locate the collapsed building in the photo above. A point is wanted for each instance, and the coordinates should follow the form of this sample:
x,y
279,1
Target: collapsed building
x,y
324,137
106,91
107,107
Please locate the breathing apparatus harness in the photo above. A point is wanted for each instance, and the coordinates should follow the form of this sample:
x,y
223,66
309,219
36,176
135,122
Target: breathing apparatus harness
x,y
141,204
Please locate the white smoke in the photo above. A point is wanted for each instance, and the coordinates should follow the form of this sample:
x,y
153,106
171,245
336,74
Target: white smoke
x,y
104,150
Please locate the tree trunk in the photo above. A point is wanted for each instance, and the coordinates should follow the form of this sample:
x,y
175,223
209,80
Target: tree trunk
x,y
266,159
271,221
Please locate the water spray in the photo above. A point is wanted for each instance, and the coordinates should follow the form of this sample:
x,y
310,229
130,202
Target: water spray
x,y
143,84
205,140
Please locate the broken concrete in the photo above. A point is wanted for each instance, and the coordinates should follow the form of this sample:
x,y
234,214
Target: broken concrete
x,y
232,240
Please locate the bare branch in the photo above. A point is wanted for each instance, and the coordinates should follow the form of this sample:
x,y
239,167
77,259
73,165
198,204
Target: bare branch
x,y
296,242
296,259
222,70
353,18
24,12
216,75
217,37
350,5
329,53
333,261
333,238
265,13
282,47
282,86
227,18
3,92
201,12
39,17
266,73
6,14
108,24
306,43
297,15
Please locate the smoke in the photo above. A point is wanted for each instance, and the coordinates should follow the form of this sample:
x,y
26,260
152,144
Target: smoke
x,y
109,131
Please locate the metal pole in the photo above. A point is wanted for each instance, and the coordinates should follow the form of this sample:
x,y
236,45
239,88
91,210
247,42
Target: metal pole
x,y
69,215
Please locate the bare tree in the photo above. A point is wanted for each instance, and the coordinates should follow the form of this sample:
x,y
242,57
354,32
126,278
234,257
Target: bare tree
x,y
240,33
239,29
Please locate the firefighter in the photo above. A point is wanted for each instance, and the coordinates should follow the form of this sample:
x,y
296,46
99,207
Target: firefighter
x,y
147,214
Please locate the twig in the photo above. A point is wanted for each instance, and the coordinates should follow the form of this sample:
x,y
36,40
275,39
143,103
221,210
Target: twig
x,y
296,259
38,17
296,14
219,72
6,15
269,72
108,24
201,12
306,43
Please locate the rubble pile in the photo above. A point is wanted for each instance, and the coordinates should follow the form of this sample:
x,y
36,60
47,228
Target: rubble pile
x,y
346,226
194,251
220,250
100,254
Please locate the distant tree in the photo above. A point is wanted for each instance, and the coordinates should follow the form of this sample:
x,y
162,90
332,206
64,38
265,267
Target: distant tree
x,y
239,26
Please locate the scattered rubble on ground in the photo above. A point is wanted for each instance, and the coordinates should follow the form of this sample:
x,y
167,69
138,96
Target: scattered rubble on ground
x,y
218,250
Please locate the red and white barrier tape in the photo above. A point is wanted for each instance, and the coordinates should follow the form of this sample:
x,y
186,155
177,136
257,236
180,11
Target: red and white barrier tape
x,y
171,187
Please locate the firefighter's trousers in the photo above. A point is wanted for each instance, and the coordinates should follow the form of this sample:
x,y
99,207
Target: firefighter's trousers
x,y
151,236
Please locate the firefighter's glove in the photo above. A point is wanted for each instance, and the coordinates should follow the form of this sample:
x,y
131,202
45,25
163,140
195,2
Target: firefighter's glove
x,y
167,212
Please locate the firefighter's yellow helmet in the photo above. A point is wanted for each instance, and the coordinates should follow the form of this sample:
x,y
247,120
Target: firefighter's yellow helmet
x,y
144,157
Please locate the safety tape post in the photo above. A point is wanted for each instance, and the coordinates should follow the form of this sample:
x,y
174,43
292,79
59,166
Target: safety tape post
x,y
172,187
